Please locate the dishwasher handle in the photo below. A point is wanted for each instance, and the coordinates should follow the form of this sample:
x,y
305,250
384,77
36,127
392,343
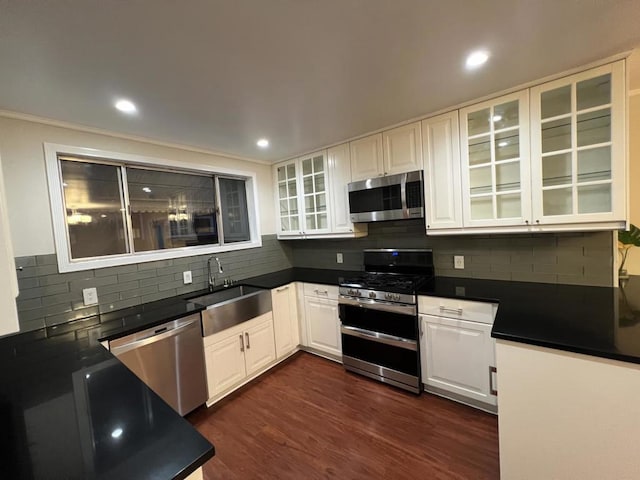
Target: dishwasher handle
x,y
120,349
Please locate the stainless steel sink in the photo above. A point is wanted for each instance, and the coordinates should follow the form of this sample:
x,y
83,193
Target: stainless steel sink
x,y
232,306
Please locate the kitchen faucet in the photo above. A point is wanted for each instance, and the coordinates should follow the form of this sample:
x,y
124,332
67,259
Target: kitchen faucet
x,y
211,277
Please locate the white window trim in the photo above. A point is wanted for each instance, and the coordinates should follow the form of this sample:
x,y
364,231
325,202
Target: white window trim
x,y
54,179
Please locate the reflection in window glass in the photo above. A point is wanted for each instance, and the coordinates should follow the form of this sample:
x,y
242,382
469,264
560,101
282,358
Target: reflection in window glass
x,y
94,209
171,210
235,217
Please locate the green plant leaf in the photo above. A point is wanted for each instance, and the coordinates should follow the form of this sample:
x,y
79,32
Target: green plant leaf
x,y
630,237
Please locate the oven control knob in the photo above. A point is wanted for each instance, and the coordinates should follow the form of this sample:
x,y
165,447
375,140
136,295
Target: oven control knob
x,y
397,296
372,294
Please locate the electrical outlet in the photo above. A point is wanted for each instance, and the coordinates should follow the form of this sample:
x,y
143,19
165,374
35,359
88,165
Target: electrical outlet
x,y
186,277
458,262
90,296
339,258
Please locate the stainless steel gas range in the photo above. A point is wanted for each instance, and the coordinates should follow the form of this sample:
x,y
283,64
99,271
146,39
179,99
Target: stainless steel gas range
x,y
379,316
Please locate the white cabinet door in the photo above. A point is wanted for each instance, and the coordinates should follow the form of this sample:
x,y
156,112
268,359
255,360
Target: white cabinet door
x,y
287,198
314,188
285,322
225,363
402,150
323,325
366,157
339,159
457,356
443,194
259,345
496,178
578,148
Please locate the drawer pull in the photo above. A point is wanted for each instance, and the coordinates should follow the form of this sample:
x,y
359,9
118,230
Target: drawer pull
x,y
457,311
321,292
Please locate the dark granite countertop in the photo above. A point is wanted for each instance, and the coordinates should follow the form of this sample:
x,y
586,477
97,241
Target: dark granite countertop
x,y
597,321
70,410
309,275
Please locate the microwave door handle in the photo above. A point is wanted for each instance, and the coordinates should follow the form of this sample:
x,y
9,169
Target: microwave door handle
x,y
403,195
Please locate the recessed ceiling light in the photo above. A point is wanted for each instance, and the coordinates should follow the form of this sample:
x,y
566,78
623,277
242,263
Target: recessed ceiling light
x,y
496,118
117,433
146,189
103,216
476,59
126,106
263,143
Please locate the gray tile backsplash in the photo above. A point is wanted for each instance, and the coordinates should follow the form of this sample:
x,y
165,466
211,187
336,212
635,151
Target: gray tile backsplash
x,y
572,258
49,298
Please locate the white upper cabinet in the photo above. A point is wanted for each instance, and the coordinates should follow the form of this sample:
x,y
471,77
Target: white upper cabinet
x,y
339,178
302,196
494,144
288,201
402,149
441,150
397,150
366,157
578,148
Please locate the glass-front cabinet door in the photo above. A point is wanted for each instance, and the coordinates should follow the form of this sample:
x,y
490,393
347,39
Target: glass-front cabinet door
x,y
577,145
313,170
302,192
494,146
288,199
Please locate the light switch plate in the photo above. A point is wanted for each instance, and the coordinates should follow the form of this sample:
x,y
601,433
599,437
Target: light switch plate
x,y
339,258
186,277
458,262
90,296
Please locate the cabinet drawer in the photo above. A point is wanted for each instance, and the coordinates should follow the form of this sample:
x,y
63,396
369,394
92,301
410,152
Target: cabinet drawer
x,y
483,312
321,291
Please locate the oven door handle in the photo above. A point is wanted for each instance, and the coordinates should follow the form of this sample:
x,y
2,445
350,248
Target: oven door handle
x,y
380,337
378,305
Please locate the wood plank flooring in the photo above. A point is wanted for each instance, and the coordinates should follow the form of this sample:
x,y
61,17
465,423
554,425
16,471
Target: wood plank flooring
x,y
310,419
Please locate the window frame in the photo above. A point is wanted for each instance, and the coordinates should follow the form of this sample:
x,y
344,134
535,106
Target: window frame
x,y
58,213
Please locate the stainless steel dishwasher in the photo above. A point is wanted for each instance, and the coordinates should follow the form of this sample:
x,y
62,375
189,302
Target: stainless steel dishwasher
x,y
169,358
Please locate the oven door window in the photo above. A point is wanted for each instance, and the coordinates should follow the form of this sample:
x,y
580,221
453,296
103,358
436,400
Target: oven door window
x,y
376,199
396,324
395,358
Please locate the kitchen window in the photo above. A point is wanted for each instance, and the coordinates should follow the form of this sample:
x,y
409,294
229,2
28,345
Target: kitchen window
x,y
113,209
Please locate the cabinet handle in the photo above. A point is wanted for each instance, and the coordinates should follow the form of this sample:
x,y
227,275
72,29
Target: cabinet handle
x,y
537,221
321,292
241,343
246,334
457,311
492,390
527,222
282,289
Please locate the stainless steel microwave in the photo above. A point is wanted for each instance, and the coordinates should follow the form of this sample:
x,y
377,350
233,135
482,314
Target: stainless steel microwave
x,y
392,197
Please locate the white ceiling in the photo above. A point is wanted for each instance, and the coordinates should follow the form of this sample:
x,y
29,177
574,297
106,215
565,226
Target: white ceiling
x,y
304,73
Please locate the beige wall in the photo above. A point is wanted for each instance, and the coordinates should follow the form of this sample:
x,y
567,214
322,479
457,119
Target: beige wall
x,y
633,260
23,165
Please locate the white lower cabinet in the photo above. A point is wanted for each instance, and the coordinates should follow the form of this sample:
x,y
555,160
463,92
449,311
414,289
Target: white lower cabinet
x,y
321,318
458,356
285,319
237,353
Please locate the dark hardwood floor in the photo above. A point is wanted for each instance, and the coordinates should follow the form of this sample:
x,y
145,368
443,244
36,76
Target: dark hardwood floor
x,y
308,419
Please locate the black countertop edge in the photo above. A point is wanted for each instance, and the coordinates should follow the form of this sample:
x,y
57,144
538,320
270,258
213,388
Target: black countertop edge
x,y
197,463
566,347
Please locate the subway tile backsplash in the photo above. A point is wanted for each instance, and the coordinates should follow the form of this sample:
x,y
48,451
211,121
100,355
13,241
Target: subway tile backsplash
x,y
49,298
570,258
